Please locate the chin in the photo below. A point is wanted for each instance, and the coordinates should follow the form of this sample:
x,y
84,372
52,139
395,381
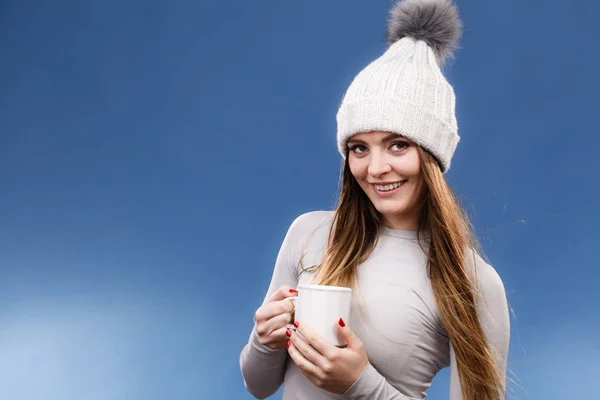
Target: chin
x,y
391,210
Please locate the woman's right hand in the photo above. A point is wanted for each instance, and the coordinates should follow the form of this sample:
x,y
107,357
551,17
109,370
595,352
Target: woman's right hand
x,y
273,316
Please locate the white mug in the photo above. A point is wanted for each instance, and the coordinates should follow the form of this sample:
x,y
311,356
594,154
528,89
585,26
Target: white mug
x,y
320,308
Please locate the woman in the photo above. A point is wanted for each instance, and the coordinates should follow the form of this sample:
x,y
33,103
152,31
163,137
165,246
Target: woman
x,y
425,299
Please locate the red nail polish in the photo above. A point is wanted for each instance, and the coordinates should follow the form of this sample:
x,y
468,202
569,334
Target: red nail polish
x,y
288,333
296,324
293,291
288,344
341,322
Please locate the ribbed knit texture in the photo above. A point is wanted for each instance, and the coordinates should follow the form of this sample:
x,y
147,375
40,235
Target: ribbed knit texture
x,y
402,91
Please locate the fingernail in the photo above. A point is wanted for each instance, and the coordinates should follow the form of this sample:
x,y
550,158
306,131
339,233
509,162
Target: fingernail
x,y
288,333
288,344
296,324
341,322
293,291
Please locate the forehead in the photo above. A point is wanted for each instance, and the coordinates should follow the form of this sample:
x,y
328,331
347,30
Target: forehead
x,y
374,137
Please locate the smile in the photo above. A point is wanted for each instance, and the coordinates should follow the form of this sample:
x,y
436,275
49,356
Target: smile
x,y
388,187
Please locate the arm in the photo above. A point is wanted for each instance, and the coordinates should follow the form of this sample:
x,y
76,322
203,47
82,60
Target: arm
x,y
493,315
262,367
492,311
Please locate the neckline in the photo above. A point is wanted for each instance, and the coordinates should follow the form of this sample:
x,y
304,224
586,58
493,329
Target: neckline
x,y
399,233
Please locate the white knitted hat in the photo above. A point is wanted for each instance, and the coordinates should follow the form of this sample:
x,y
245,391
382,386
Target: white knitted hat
x,y
404,90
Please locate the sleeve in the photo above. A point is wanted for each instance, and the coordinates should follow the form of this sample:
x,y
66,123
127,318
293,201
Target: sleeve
x,y
492,311
262,367
372,386
493,315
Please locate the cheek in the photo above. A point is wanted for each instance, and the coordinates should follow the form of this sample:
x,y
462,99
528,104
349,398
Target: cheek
x,y
356,169
419,186
418,189
414,163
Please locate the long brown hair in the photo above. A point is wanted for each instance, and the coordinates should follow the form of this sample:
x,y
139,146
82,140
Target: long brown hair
x,y
353,236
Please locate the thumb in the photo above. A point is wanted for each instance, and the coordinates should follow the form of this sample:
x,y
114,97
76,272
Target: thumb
x,y
282,293
348,335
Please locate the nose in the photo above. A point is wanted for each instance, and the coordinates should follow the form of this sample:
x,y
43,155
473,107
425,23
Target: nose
x,y
378,165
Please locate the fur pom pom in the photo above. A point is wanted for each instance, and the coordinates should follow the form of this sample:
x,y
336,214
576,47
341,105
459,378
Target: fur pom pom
x,y
434,21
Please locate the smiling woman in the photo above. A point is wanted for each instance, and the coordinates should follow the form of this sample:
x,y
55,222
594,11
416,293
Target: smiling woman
x,y
425,298
388,169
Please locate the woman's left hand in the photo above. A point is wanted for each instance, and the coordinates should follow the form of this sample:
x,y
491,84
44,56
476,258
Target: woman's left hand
x,y
327,366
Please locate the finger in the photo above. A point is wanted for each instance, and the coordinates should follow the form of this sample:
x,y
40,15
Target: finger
x,y
279,337
310,370
308,351
283,292
275,338
315,340
273,309
348,335
277,322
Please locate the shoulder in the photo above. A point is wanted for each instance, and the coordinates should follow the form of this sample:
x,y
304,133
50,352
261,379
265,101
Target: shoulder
x,y
483,274
489,288
305,224
308,232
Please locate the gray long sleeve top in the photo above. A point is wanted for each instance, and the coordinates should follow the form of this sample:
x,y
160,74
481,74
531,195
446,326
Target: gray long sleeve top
x,y
397,319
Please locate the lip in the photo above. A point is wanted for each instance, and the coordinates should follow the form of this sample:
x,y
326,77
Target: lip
x,y
388,193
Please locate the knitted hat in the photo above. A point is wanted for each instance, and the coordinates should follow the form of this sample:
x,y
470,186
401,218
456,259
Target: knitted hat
x,y
404,91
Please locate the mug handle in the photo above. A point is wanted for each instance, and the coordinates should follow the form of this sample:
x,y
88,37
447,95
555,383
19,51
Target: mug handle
x,y
291,324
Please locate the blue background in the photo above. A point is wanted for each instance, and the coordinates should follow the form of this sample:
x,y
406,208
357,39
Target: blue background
x,y
153,155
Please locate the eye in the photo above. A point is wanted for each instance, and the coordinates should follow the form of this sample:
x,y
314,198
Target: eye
x,y
400,145
358,148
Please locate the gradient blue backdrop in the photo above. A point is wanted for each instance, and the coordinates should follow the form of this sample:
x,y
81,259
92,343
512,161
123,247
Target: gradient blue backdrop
x,y
153,155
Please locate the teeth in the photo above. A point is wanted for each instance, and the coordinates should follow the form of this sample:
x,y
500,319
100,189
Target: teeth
x,y
385,188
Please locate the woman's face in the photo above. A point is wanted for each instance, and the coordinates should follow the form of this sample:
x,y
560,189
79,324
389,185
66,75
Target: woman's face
x,y
388,168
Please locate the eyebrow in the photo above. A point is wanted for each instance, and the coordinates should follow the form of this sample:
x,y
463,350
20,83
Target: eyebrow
x,y
384,139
